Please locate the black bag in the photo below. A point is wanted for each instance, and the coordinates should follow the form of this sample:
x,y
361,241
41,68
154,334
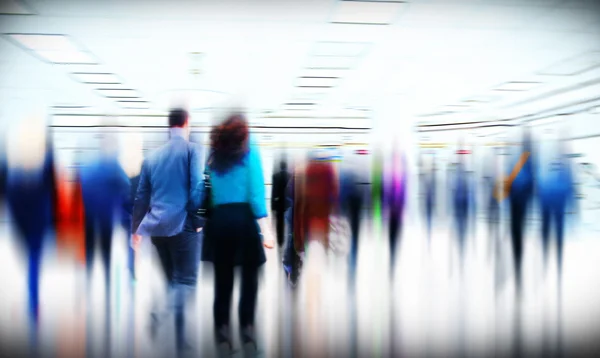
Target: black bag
x,y
206,205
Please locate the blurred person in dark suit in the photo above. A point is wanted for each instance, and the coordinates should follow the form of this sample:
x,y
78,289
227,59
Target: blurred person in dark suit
x,y
351,201
278,207
394,201
169,193
520,187
31,194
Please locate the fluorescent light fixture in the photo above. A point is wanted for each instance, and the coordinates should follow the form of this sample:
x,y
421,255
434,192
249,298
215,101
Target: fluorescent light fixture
x,y
97,78
12,7
317,82
574,66
343,49
454,108
517,86
118,93
595,110
67,57
331,62
324,72
366,12
134,104
298,106
45,42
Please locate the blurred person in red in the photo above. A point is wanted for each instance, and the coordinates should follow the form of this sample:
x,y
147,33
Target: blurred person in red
x,y
30,198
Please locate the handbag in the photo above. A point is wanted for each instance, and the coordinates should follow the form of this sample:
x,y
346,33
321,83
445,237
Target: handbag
x,y
206,203
339,235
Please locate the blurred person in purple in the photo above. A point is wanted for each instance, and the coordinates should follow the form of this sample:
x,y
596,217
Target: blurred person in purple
x,y
31,194
394,198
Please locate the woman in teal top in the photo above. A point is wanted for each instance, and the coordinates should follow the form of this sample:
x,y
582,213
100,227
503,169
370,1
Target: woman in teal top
x,y
233,234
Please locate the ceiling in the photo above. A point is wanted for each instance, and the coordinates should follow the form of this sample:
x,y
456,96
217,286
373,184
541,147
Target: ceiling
x,y
423,55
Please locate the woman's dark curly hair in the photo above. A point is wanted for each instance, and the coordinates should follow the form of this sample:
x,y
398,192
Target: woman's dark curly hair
x,y
229,143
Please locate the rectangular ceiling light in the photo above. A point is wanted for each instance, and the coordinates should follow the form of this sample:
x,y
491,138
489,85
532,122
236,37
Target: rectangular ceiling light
x,y
134,104
45,42
331,62
366,12
299,106
118,93
574,66
68,57
324,72
517,86
12,7
97,78
317,82
342,49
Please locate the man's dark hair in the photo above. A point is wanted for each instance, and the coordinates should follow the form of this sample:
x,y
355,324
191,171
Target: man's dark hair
x,y
178,117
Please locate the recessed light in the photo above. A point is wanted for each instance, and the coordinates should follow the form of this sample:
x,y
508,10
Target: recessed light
x,y
134,104
118,93
67,57
324,72
340,49
366,12
97,78
517,86
45,42
317,82
331,62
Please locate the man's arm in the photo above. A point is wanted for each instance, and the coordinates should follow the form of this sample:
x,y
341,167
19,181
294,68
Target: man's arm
x,y
142,198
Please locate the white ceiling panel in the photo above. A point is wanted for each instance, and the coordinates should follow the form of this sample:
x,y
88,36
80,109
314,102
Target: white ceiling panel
x,y
366,12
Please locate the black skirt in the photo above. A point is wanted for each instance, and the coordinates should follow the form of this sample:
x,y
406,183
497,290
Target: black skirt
x,y
232,236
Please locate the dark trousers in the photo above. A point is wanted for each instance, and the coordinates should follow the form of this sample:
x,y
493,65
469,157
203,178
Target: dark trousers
x,y
33,276
98,231
280,226
354,211
395,232
518,213
224,288
553,214
179,262
462,223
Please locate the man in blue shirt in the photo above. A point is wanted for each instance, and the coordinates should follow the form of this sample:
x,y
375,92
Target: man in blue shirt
x,y
169,192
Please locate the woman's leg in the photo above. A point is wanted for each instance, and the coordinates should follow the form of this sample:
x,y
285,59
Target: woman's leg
x,y
223,291
247,304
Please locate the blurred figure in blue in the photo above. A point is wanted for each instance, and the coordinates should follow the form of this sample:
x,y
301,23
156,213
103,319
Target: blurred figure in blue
x,y
520,190
555,189
106,191
428,180
491,176
31,193
292,262
168,196
462,203
131,161
394,198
